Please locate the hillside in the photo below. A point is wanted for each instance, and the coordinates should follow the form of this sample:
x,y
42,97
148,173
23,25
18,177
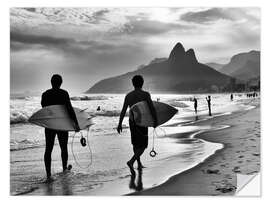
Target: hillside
x,y
243,66
215,66
180,73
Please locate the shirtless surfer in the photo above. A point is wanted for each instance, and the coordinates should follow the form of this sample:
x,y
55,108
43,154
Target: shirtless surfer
x,y
139,135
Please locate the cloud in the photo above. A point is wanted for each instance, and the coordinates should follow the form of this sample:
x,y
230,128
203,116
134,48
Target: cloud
x,y
89,44
21,41
206,16
153,27
100,15
36,39
30,9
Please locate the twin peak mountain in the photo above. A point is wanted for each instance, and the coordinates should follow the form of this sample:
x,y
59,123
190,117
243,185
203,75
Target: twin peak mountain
x,y
180,73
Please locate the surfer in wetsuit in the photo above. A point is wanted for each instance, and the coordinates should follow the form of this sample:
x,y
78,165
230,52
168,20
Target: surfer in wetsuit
x,y
139,135
208,99
57,96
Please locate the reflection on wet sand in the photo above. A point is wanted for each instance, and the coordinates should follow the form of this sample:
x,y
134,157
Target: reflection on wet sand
x,y
137,186
61,187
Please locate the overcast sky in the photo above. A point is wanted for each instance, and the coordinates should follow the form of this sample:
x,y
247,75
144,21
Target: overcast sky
x,y
86,44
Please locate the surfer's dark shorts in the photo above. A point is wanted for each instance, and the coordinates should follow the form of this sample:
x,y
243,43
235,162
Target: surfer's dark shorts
x,y
139,135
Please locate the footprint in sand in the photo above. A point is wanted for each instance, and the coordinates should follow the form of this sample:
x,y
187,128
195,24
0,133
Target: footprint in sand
x,y
209,171
236,169
241,156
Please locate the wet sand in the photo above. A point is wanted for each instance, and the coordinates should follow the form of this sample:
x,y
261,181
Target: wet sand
x,y
236,134
217,175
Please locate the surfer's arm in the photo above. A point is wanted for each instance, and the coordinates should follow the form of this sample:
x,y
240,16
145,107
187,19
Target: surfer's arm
x,y
122,115
43,100
72,112
152,109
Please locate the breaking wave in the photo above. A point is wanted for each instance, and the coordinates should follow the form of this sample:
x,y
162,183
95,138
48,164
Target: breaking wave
x,y
18,117
178,104
23,144
89,98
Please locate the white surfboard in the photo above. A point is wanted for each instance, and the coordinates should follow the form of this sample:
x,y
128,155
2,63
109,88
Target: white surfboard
x,y
140,113
56,117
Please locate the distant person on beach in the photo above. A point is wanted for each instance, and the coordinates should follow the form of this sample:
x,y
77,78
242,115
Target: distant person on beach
x,y
208,99
139,135
98,108
231,97
195,104
57,96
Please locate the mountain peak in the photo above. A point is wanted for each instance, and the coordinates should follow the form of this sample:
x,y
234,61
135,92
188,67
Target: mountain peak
x,y
178,51
180,73
191,55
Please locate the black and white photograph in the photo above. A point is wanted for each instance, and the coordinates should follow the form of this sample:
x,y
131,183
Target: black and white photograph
x,y
148,101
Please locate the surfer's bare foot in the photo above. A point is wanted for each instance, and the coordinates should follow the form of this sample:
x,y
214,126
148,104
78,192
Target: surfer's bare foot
x,y
130,165
49,179
69,167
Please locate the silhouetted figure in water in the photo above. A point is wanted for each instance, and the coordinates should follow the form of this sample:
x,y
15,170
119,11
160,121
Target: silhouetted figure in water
x,y
57,96
231,97
98,108
195,105
208,99
139,135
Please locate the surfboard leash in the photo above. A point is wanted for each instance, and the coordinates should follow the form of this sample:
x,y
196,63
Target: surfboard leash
x,y
84,142
153,153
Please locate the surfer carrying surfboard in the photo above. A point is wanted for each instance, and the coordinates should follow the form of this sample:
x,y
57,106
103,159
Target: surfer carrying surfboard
x,y
139,134
57,96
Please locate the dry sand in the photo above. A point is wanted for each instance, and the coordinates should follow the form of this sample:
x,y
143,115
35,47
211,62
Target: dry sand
x,y
217,175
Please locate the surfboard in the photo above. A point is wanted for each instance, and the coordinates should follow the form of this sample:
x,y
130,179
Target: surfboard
x,y
140,113
56,117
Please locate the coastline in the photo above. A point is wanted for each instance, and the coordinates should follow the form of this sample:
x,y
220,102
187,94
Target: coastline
x,y
210,127
217,174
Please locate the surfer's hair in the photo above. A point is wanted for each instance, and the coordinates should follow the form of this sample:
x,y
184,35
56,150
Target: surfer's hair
x,y
56,80
137,81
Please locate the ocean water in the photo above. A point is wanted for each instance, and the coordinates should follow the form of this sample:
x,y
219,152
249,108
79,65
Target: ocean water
x,y
175,142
